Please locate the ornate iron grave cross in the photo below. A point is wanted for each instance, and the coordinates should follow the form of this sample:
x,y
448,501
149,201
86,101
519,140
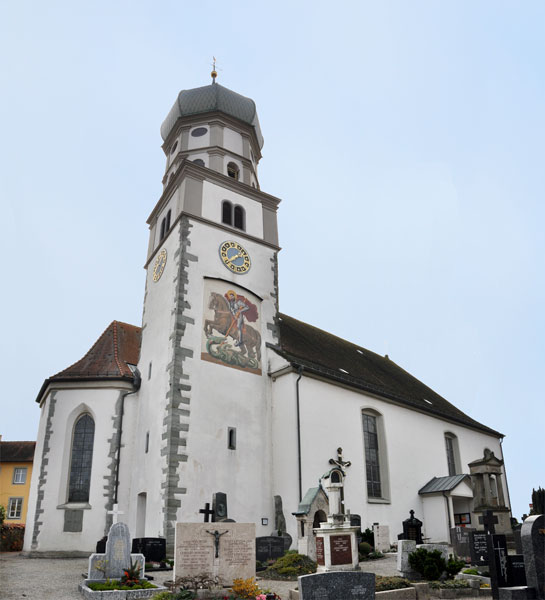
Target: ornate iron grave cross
x,y
342,464
489,519
217,536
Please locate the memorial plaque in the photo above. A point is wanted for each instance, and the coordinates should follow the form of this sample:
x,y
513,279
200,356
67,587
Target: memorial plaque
x,y
515,570
320,559
153,549
478,548
337,585
226,550
269,548
341,549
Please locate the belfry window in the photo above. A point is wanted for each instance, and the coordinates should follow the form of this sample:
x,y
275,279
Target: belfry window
x,y
233,170
234,216
81,459
165,226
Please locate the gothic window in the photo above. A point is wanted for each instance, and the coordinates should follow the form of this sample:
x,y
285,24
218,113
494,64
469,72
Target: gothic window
x,y
233,170
15,508
81,459
19,475
233,215
372,462
453,460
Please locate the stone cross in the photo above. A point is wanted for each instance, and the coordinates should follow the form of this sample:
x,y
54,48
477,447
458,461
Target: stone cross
x,y
115,512
342,464
206,511
217,536
489,520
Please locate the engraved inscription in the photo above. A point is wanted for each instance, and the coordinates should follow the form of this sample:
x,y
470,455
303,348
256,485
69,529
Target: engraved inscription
x,y
320,593
358,590
341,551
320,551
119,549
237,552
197,556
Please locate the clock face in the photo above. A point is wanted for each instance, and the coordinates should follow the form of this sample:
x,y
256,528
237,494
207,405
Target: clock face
x,y
235,257
159,265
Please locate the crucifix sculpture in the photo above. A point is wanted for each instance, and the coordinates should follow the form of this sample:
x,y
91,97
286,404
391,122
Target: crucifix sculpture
x,y
217,536
342,464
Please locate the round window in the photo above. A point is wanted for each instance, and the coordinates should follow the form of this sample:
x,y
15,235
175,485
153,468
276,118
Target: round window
x,y
199,131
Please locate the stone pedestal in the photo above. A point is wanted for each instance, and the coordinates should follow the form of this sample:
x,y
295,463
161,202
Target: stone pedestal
x,y
337,548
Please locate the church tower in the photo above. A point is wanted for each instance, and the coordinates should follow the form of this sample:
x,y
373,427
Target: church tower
x,y
201,422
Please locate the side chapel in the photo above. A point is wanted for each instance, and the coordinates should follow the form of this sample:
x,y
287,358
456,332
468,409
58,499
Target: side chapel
x,y
219,391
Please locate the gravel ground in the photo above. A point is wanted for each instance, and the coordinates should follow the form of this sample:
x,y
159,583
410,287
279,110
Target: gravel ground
x,y
58,578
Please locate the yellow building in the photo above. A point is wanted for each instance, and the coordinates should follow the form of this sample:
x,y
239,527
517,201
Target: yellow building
x,y
15,475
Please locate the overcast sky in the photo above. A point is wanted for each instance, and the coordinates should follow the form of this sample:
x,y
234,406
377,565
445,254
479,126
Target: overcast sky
x,y
404,138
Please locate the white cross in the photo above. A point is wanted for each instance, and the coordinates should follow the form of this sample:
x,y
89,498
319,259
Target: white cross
x,y
115,512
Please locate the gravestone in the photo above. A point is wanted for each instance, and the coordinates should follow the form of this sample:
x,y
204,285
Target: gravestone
x,y
269,547
382,537
478,548
412,529
117,556
337,585
516,575
225,550
518,538
460,539
219,507
404,548
498,563
533,546
153,549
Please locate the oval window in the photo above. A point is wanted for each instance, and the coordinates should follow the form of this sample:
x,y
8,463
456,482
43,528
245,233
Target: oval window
x,y
199,131
173,149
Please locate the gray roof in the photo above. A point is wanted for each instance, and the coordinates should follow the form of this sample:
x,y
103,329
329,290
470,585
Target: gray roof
x,y
306,502
442,484
210,98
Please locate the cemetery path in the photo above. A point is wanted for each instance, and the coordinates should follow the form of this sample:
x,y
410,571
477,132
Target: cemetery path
x,y
58,578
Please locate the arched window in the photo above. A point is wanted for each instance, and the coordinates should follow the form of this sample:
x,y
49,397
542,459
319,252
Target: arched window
x,y
239,217
376,463
199,161
234,216
233,170
165,226
81,459
453,453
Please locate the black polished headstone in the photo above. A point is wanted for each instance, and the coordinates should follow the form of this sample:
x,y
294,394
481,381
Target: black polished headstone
x,y
269,547
153,549
412,529
219,506
497,563
478,548
516,574
518,538
337,585
101,545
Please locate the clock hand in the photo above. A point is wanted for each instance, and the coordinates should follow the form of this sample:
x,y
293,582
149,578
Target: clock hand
x,y
233,257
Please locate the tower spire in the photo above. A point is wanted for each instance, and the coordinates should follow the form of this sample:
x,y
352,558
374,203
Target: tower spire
x,y
214,73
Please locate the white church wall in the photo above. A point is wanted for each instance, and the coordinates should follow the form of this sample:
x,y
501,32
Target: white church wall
x,y
70,404
331,417
232,140
211,209
435,519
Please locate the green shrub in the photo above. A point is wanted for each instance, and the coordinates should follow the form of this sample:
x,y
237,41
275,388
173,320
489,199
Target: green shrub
x,y
164,596
12,536
2,514
384,584
453,584
290,566
368,536
429,564
375,555
454,566
115,584
365,548
471,571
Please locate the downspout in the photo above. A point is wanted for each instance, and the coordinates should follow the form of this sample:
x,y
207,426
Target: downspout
x,y
505,474
448,511
136,383
300,371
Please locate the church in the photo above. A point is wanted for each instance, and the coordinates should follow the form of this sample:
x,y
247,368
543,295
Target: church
x,y
218,391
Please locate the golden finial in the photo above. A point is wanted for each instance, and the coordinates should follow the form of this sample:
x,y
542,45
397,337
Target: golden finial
x,y
214,73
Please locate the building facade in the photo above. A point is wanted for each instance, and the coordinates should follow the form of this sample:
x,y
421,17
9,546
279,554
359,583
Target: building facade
x,y
16,459
218,390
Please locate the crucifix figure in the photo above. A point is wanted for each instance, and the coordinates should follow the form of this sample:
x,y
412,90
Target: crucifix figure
x,y
342,464
206,511
217,536
115,512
